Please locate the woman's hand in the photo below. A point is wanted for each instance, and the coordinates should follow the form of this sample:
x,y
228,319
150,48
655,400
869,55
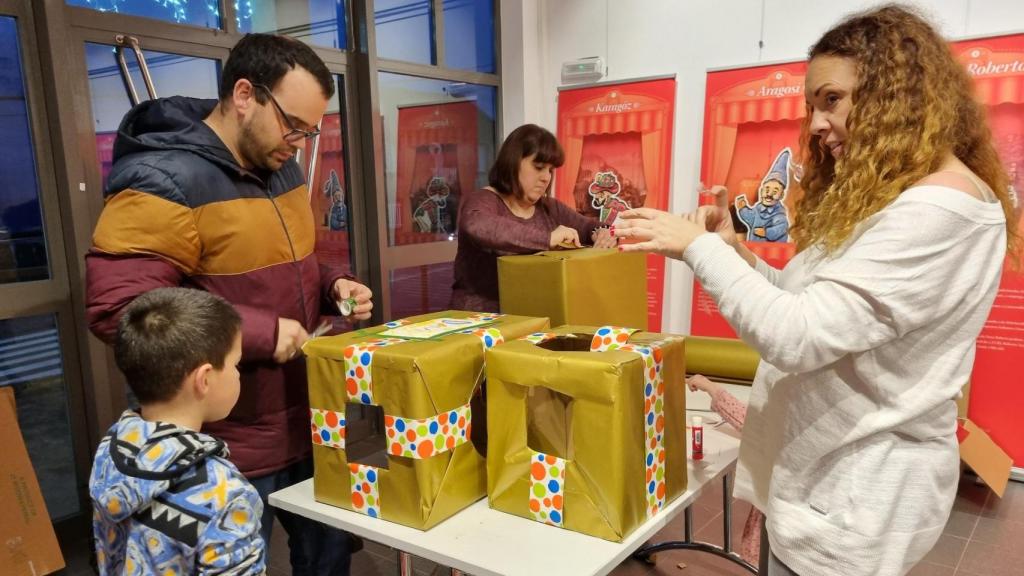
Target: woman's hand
x,y
603,238
650,230
565,237
716,217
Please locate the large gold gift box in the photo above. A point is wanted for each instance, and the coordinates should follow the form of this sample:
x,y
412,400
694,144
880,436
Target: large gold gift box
x,y
589,286
592,441
422,372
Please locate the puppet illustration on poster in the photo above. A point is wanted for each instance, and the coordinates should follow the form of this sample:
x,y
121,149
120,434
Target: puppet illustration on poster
x,y
437,161
337,217
766,220
618,149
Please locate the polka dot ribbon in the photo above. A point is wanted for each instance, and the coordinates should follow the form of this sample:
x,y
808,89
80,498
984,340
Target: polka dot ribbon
x,y
547,475
365,495
489,337
424,438
358,376
539,337
612,338
328,427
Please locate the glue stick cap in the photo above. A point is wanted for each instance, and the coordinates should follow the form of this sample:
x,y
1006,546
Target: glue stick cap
x,y
697,421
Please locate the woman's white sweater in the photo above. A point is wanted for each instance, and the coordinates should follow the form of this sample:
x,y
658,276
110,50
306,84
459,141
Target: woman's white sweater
x,y
849,445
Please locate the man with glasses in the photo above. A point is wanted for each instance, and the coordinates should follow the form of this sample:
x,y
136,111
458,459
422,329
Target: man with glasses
x,y
207,194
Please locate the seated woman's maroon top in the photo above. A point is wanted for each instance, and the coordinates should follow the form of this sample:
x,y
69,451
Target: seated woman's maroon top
x,y
488,229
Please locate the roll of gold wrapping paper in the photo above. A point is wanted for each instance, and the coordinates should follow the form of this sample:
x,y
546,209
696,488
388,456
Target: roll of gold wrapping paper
x,y
721,359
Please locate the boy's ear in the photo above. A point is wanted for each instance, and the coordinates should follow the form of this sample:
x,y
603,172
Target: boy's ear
x,y
199,380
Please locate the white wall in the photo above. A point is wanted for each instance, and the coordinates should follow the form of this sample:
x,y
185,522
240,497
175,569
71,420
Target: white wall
x,y
656,37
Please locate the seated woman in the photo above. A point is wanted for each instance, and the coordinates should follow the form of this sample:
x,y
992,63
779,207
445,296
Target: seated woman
x,y
514,215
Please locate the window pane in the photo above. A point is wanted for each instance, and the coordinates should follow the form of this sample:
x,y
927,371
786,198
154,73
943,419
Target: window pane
x,y
421,289
198,13
172,75
317,22
405,30
469,34
22,238
30,362
438,145
332,205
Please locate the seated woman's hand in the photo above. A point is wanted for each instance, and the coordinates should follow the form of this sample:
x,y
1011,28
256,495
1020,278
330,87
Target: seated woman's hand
x,y
650,230
565,237
603,238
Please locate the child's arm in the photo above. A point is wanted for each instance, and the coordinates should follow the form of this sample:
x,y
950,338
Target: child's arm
x,y
726,405
231,543
729,407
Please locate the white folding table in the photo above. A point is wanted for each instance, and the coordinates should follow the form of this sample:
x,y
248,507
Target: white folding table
x,y
485,542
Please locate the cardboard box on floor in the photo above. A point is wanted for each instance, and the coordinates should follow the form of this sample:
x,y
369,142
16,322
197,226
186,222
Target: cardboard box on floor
x,y
28,545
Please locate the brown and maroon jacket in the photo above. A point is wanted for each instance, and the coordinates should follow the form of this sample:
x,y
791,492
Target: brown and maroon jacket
x,y
180,211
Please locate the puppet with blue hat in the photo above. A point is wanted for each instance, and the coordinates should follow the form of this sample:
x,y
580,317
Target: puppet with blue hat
x,y
766,220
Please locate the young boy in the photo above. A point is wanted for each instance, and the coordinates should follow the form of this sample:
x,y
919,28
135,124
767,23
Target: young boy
x,y
166,500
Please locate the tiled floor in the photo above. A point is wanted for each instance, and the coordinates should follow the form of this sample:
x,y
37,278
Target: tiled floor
x,y
982,538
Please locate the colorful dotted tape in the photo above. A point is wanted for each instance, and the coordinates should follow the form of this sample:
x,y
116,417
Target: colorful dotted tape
x,y
396,323
611,338
539,337
429,436
547,482
489,337
365,495
328,427
485,317
358,376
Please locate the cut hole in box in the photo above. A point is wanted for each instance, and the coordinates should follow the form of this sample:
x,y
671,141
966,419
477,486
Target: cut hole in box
x,y
568,343
549,422
368,441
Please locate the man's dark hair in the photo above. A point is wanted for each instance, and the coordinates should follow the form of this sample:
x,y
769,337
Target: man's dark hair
x,y
166,333
265,59
525,141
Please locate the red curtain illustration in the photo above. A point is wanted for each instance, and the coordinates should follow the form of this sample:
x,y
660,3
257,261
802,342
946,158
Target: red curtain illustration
x,y
437,163
329,195
618,153
750,116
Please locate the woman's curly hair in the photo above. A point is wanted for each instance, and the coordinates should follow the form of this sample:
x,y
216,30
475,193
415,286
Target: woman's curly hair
x,y
913,104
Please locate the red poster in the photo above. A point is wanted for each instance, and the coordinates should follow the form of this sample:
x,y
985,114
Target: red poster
x,y
618,154
997,66
751,114
752,122
328,194
437,161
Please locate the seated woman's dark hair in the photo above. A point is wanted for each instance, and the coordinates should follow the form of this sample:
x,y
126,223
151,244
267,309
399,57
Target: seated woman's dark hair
x,y
523,142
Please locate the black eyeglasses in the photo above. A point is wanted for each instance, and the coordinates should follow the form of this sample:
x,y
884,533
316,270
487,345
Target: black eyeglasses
x,y
293,134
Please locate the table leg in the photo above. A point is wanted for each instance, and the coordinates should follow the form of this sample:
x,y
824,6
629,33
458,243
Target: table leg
x,y
726,515
404,563
646,553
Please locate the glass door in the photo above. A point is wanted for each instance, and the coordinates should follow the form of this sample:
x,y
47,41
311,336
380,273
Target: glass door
x,y
38,350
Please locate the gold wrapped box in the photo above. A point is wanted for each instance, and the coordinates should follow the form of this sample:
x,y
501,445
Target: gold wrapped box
x,y
589,286
422,373
587,428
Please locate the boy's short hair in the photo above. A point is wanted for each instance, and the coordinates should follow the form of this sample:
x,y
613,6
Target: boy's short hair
x,y
166,333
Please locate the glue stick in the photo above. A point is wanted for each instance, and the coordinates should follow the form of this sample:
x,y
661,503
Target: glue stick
x,y
697,430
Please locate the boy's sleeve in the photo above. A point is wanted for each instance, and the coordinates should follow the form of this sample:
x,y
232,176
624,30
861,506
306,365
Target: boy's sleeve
x,y
231,544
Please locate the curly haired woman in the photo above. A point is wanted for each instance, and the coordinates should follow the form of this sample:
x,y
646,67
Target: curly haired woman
x,y
868,334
